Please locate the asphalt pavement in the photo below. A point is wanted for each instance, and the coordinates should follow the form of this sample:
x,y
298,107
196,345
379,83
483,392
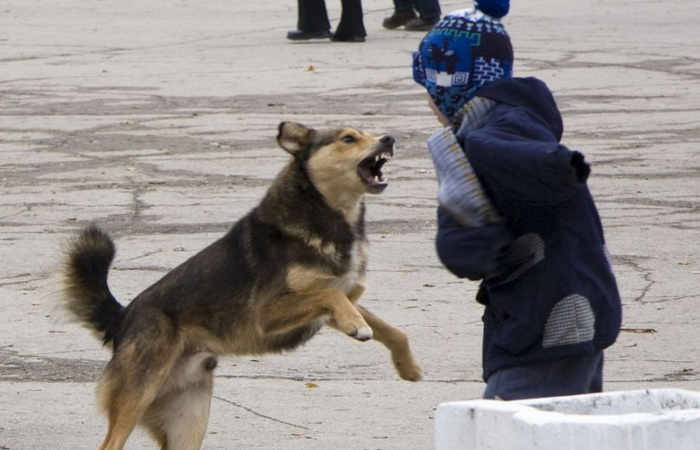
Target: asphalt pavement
x,y
157,120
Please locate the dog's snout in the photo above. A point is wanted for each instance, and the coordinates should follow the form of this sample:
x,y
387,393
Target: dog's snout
x,y
387,140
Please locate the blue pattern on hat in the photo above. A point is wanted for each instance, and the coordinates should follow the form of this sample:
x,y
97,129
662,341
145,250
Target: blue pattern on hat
x,y
464,51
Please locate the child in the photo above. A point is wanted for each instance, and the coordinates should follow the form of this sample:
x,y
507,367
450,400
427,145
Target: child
x,y
515,213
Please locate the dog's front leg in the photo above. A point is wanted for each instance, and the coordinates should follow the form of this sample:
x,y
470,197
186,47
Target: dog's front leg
x,y
397,342
296,310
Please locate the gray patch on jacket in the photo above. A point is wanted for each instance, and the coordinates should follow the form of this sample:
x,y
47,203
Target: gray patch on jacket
x,y
571,322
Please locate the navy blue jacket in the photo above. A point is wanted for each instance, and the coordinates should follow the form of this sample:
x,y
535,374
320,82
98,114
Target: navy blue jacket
x,y
547,282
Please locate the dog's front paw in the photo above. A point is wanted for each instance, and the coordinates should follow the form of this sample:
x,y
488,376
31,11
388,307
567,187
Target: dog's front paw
x,y
363,333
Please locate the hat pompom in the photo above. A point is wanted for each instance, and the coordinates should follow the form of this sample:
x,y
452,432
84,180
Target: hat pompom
x,y
493,8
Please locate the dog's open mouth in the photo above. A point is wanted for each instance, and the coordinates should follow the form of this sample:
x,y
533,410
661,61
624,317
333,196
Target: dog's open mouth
x,y
370,170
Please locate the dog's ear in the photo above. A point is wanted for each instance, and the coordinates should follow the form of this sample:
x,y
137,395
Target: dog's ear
x,y
293,137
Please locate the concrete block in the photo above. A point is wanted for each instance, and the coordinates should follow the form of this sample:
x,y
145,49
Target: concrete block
x,y
631,420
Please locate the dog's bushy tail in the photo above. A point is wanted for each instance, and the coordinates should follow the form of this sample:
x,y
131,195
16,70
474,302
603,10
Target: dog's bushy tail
x,y
86,293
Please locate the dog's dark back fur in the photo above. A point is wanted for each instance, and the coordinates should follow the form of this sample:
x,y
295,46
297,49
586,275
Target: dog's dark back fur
x,y
248,260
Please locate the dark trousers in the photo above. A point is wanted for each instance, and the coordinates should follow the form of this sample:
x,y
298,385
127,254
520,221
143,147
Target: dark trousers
x,y
570,376
313,16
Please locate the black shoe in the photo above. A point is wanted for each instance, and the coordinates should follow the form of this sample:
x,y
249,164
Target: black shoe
x,y
298,35
421,24
353,38
400,18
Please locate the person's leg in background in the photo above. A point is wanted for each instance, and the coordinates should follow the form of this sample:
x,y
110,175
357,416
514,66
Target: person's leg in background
x,y
351,27
313,21
428,15
403,13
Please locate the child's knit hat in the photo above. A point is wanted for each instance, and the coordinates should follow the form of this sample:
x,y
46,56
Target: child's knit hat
x,y
464,51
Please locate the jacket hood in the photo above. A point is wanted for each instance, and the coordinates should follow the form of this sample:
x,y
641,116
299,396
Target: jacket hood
x,y
529,93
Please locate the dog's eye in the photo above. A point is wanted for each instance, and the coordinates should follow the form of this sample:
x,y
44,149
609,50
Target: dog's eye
x,y
348,139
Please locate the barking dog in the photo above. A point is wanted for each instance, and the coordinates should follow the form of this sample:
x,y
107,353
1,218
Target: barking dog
x,y
294,263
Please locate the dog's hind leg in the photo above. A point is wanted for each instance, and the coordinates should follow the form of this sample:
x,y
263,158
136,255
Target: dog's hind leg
x,y
126,403
397,342
133,379
178,417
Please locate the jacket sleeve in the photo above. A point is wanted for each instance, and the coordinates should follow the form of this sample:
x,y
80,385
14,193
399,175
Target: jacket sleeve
x,y
473,253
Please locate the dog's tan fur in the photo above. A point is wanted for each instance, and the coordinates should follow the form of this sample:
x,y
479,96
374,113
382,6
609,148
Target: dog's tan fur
x,y
296,262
